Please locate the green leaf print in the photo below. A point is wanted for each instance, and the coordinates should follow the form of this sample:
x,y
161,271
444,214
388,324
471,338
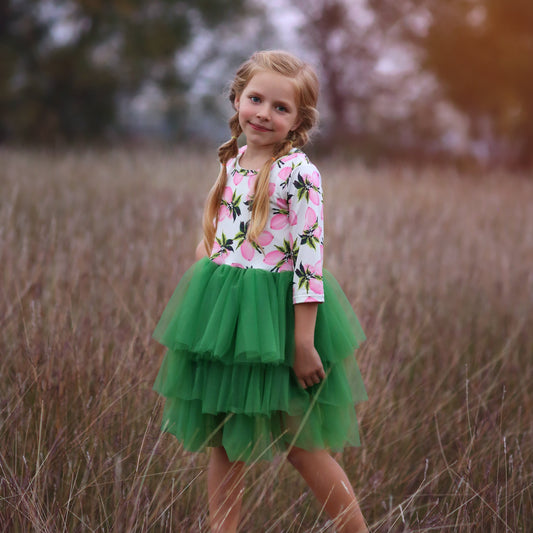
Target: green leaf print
x,y
295,252
233,206
226,245
288,255
304,276
240,237
303,187
308,237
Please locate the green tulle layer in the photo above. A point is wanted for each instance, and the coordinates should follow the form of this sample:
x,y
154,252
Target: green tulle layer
x,y
227,375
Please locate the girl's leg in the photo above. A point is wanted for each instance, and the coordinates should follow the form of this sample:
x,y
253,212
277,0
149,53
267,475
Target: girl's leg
x,y
225,486
331,487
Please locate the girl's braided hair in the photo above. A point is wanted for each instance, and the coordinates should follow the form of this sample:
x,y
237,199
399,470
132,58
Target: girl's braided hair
x,y
306,86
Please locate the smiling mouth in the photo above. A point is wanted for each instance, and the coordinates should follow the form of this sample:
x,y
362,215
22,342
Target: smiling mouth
x,y
257,127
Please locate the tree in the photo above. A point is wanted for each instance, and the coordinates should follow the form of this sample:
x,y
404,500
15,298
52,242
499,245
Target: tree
x,y
469,57
344,51
481,51
64,66
367,111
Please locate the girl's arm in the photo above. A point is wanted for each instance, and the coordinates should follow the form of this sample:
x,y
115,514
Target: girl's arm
x,y
307,364
306,218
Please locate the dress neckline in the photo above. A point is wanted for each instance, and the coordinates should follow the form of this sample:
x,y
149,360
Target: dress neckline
x,y
247,171
240,169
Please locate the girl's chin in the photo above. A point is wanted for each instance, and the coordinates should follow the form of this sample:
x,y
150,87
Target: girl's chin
x,y
262,137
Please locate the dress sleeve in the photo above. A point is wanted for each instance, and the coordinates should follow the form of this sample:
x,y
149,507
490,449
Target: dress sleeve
x,y
306,218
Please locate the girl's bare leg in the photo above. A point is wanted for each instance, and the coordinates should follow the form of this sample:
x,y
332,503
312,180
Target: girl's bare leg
x,y
331,487
225,486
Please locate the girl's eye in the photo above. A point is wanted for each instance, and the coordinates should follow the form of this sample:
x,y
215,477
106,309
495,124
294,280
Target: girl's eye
x,y
282,108
254,99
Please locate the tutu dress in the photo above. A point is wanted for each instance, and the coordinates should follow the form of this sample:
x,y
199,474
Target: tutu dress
x,y
227,375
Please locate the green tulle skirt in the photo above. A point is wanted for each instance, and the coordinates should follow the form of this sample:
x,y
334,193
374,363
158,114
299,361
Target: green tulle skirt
x,y
227,375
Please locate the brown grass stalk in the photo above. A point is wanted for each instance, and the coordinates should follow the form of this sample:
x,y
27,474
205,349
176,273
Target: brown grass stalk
x,y
437,264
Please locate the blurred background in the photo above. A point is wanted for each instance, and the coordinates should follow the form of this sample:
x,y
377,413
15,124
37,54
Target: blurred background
x,y
412,79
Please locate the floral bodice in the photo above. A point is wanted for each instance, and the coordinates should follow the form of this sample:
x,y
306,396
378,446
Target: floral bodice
x,y
293,237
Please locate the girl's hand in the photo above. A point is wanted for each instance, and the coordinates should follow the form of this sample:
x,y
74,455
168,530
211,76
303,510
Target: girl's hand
x,y
308,366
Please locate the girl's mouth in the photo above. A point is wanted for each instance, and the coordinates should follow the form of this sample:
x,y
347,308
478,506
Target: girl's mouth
x,y
257,127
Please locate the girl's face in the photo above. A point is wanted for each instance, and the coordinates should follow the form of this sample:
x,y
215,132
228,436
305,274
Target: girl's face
x,y
267,110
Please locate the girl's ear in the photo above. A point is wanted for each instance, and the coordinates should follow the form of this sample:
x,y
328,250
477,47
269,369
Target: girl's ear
x,y
296,125
237,102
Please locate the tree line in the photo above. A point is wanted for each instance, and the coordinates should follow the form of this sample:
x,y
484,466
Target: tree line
x,y
67,69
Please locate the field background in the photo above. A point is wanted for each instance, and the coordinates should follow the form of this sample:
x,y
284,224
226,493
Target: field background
x,y
437,263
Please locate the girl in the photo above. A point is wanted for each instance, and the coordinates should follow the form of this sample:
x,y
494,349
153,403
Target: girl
x,y
260,339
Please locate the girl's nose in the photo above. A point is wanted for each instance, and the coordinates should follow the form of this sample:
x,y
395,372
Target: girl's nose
x,y
263,113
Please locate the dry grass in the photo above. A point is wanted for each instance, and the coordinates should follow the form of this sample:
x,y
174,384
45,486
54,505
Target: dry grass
x,y
438,266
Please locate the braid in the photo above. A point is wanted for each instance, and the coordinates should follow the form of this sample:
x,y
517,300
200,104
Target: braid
x,y
226,151
261,202
230,148
306,87
300,138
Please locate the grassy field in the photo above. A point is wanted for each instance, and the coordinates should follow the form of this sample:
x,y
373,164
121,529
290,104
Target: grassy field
x,y
438,266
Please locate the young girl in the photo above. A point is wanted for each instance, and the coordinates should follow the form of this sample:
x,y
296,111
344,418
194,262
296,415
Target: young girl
x,y
260,339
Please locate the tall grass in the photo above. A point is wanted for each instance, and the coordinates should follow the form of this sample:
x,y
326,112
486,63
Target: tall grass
x,y
438,266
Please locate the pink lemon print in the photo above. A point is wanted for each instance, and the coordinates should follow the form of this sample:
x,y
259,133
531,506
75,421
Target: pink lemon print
x,y
284,173
314,180
247,250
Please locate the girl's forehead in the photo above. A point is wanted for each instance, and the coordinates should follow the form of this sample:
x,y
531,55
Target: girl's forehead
x,y
273,84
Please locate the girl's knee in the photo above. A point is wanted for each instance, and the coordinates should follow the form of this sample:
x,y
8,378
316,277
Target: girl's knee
x,y
219,455
298,457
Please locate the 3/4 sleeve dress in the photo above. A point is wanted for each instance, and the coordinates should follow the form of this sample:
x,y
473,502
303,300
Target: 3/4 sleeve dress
x,y
227,374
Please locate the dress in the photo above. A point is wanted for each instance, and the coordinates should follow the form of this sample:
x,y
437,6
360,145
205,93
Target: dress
x,y
229,328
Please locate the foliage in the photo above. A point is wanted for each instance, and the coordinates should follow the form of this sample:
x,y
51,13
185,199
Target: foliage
x,y
473,54
346,53
66,66
367,111
481,52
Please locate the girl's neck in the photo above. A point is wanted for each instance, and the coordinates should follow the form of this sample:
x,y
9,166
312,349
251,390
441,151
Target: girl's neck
x,y
253,159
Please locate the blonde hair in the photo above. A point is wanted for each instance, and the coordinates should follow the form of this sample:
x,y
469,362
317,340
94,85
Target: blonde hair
x,y
305,83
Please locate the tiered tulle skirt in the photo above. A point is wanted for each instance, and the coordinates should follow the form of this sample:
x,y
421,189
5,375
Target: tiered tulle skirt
x,y
227,375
